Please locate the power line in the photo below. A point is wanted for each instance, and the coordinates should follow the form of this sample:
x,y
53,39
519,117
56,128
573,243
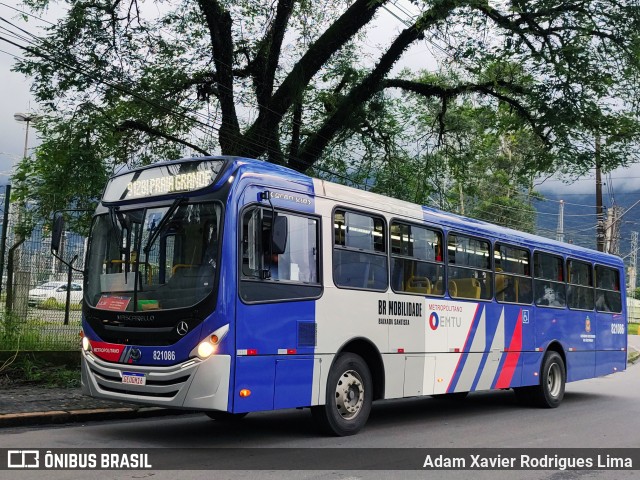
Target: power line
x,y
27,13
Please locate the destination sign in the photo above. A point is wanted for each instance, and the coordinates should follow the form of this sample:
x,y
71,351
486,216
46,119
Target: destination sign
x,y
160,185
163,180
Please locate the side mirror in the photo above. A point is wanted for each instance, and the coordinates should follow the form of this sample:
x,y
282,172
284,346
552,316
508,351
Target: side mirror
x,y
56,233
279,234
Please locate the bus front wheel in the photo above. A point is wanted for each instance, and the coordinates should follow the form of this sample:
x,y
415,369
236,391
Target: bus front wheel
x,y
348,399
550,392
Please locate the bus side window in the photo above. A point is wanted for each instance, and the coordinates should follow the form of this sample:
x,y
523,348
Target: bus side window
x,y
469,267
550,289
359,251
280,268
513,278
608,295
414,266
580,288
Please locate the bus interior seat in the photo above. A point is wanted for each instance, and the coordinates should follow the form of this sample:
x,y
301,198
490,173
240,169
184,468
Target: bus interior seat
x,y
468,287
419,285
453,288
501,286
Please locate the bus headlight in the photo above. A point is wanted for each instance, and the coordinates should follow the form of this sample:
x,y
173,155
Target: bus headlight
x,y
86,345
209,345
205,349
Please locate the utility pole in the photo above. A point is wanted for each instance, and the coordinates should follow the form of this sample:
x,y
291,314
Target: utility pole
x,y
608,223
560,229
599,214
5,227
616,214
21,284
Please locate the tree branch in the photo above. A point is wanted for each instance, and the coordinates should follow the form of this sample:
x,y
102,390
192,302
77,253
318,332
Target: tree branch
x,y
487,88
142,127
313,146
268,55
219,23
332,40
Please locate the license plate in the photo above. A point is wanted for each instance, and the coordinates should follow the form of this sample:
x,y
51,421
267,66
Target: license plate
x,y
134,378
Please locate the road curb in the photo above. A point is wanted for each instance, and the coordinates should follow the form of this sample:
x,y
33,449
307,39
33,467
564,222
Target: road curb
x,y
79,416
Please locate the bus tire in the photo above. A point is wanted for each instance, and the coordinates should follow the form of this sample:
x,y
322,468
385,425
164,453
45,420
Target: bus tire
x,y
348,399
550,391
225,417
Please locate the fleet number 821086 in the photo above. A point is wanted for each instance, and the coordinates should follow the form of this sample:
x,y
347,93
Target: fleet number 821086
x,y
164,355
617,328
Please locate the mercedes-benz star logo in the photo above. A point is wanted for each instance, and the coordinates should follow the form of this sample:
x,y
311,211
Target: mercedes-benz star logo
x,y
182,328
135,354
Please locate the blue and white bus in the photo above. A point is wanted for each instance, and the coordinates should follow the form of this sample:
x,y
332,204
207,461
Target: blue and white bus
x,y
229,285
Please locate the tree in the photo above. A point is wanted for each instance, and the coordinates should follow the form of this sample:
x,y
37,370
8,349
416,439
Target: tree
x,y
289,81
479,160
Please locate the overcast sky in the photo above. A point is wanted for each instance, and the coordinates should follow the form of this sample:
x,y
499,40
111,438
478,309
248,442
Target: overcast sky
x,y
15,97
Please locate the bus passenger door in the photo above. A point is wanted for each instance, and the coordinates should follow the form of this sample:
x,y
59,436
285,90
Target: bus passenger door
x,y
275,315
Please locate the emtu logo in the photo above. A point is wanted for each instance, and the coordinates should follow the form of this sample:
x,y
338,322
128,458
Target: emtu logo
x,y
434,320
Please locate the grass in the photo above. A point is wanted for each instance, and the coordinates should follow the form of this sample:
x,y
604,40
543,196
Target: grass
x,y
37,334
35,370
52,304
634,329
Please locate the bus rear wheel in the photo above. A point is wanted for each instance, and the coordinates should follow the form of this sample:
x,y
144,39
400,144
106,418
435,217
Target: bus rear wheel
x,y
550,392
348,399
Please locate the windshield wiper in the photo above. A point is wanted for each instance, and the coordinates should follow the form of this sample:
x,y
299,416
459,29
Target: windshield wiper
x,y
113,216
152,238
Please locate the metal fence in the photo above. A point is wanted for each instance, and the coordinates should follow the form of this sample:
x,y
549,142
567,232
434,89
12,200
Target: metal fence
x,y
633,310
30,323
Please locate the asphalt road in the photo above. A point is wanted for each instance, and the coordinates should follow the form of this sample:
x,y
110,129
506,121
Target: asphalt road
x,y
598,413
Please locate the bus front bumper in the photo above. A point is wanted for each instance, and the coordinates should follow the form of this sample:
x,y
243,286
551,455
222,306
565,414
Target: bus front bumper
x,y
195,384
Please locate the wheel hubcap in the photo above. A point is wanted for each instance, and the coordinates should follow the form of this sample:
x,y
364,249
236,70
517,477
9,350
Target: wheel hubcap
x,y
554,380
349,394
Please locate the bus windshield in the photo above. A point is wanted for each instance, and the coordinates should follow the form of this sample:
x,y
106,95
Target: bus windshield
x,y
155,258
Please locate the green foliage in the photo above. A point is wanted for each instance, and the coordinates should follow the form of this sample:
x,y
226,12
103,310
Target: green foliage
x,y
36,370
11,329
31,334
298,83
53,304
478,160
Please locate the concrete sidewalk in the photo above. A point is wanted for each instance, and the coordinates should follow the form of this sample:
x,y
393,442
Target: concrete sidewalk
x,y
37,405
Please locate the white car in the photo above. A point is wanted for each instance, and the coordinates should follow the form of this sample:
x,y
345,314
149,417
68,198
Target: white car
x,y
56,291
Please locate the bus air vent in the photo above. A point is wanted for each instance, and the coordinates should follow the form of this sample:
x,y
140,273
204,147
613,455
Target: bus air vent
x,y
306,334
